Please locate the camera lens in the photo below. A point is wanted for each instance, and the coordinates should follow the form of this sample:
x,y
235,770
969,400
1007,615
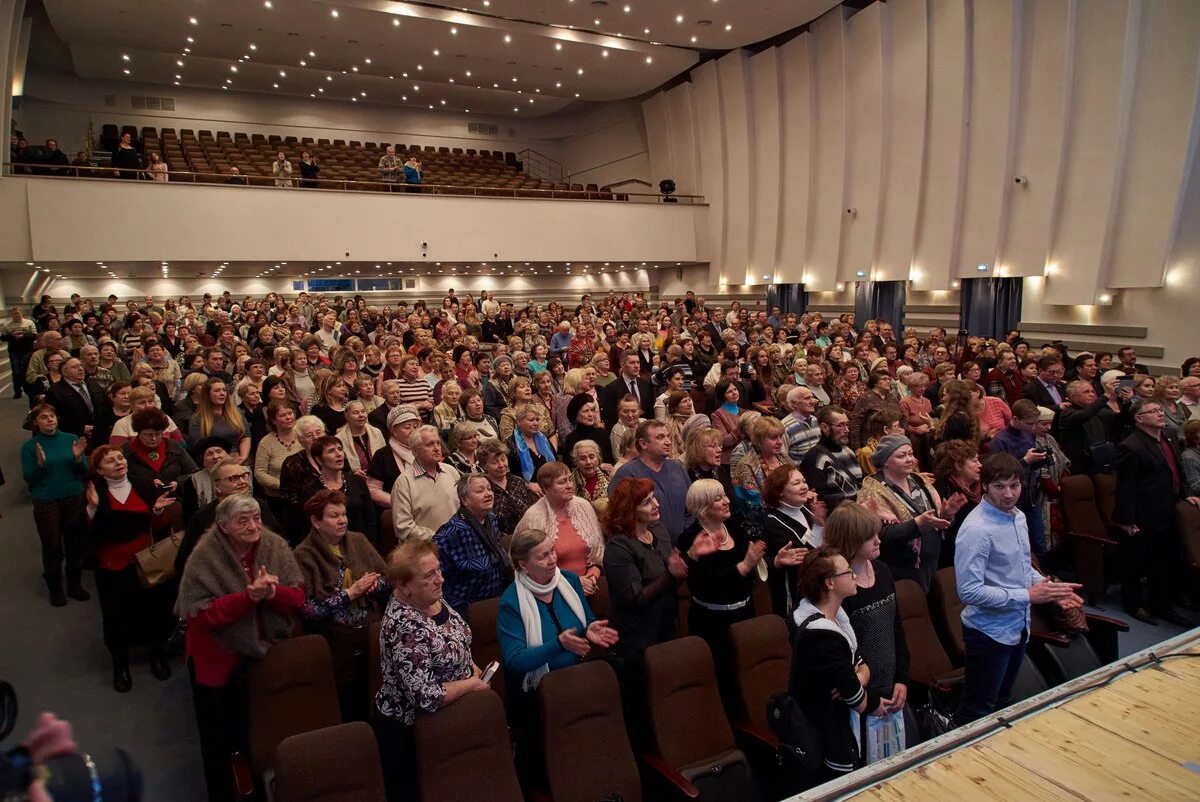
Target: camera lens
x,y
108,774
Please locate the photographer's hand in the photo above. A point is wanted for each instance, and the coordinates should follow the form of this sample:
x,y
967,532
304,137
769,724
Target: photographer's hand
x,y
51,737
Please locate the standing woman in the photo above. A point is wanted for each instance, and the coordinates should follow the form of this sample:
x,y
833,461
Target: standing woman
x,y
125,516
828,676
309,170
360,440
512,496
332,473
471,403
54,467
725,418
299,471
722,565
853,532
543,398
767,453
300,378
240,592
572,522
463,444
956,468
279,444
529,449
643,572
218,416
794,526
330,401
520,391
152,455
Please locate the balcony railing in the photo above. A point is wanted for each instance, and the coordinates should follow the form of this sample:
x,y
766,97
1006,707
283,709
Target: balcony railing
x,y
89,173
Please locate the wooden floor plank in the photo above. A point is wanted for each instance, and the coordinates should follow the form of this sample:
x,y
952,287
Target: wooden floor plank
x,y
967,775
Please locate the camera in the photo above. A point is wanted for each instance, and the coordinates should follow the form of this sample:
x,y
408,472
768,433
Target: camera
x,y
108,773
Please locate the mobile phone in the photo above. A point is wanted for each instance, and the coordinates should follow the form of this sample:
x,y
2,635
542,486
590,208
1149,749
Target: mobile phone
x,y
1127,383
490,671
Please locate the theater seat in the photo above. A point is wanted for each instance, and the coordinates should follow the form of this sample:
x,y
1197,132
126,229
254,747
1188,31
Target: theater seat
x,y
929,665
1090,538
374,664
333,764
485,642
463,752
694,754
291,690
762,656
581,719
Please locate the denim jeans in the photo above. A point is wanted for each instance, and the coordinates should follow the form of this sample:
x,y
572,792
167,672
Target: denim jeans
x,y
990,670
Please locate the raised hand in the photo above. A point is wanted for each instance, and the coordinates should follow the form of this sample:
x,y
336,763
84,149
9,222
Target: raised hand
x,y
263,586
819,510
162,502
952,505
78,447
676,566
704,545
363,585
931,519
41,454
790,555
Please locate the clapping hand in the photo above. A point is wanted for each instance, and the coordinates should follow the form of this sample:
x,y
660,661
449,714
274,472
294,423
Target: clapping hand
x,y
931,519
573,643
704,545
818,508
263,586
1061,593
601,634
162,502
790,555
589,584
676,566
363,585
41,454
952,505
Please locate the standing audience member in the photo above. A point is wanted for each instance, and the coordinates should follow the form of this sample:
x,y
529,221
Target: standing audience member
x,y
571,521
956,468
831,467
474,564
794,524
671,481
425,495
997,583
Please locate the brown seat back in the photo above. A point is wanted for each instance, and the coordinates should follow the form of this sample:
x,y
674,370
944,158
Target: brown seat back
x,y
762,655
1189,533
334,764
685,707
1105,487
927,658
582,718
292,690
374,664
463,752
948,609
598,601
387,534
1080,513
485,643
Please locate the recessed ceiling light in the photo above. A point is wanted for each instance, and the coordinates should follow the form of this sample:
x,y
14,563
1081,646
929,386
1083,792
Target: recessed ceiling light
x,y
468,73
443,103
495,86
353,68
576,94
416,88
125,57
595,22
321,89
228,80
396,22
507,38
419,67
253,46
233,68
679,18
693,40
362,94
191,41
328,77
178,63
126,72
187,50
604,53
514,79
282,74
303,63
354,99
177,83
193,20
628,9
454,31
404,75
645,30
311,54
267,4
558,45
729,27
333,13
275,85
515,108
437,52
649,59
487,3
579,71
558,84
530,100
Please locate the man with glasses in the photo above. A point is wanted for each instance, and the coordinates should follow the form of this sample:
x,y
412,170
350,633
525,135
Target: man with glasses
x,y
831,467
1149,485
229,478
997,583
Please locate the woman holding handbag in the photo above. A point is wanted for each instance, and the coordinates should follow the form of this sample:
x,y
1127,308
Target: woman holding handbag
x,y
125,515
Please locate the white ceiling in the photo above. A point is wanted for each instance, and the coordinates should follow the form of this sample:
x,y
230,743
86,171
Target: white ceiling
x,y
290,270
524,57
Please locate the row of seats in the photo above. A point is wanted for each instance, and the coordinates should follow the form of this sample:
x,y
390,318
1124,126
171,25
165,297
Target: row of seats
x,y
452,170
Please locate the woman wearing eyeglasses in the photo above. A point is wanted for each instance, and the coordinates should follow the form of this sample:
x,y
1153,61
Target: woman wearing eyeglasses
x,y
829,679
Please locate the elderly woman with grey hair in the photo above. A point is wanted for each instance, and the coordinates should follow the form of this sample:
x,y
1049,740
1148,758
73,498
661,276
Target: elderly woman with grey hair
x,y
589,475
241,592
463,445
474,564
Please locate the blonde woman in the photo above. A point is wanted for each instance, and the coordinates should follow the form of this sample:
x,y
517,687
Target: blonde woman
x,y
576,381
217,415
520,390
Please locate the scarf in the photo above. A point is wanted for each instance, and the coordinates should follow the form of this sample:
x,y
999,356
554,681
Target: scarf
x,y
402,453
532,618
730,408
214,570
523,455
540,516
321,569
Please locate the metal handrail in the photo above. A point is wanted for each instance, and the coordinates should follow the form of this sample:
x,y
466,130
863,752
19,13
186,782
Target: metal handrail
x,y
341,185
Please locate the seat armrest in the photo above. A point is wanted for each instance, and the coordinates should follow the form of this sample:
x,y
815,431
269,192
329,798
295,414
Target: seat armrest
x,y
1105,621
243,776
1094,538
942,685
681,783
1052,638
757,734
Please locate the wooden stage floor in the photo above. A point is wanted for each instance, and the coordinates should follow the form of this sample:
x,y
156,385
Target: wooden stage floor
x,y
1136,738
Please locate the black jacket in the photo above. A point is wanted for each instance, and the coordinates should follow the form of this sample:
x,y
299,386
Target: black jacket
x,y
73,412
1146,495
1036,392
612,393
1079,430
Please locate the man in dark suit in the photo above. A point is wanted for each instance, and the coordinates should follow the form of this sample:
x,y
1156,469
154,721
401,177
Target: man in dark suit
x,y
628,382
75,401
1047,389
1086,425
1149,485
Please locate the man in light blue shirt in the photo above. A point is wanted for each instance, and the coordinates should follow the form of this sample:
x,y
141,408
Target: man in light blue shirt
x,y
997,583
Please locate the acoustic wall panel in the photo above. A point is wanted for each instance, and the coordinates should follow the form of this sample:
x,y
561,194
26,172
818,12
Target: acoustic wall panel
x,y
768,157
798,119
905,76
706,97
658,137
828,209
681,124
864,146
733,73
1087,192
995,50
945,143
1159,143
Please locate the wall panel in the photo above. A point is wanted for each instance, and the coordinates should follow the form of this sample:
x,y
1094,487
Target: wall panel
x,y
1161,142
864,140
765,184
711,159
681,122
733,71
798,117
828,209
905,75
658,136
995,50
945,141
1087,194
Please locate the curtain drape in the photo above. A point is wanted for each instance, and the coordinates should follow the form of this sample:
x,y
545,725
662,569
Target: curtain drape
x,y
790,298
990,307
883,300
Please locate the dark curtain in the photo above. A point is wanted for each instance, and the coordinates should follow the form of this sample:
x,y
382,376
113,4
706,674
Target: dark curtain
x,y
990,307
883,300
788,297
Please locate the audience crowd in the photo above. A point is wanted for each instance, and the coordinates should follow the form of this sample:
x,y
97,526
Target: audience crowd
x,y
332,464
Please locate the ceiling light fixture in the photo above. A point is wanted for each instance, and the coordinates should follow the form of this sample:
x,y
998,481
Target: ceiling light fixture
x,y
333,13
468,73
275,85
267,4
679,18
312,54
628,9
558,45
366,61
645,30
454,31
604,53
253,46
328,77
437,52
233,68
125,57
649,59
579,71
303,63
282,74
193,20
191,41
507,38
396,23
126,72
729,27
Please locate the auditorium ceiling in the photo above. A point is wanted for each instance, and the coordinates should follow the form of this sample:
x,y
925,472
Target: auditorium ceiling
x,y
495,57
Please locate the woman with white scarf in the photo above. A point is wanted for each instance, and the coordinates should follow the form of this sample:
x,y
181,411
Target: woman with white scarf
x,y
571,520
544,621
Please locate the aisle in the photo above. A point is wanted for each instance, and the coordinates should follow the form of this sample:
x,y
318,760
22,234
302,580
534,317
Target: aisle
x,y
55,659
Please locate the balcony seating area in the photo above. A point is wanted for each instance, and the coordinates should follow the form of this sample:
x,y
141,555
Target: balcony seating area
x,y
445,170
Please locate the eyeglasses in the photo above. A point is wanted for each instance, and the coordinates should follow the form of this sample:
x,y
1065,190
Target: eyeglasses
x,y
243,476
844,573
1154,411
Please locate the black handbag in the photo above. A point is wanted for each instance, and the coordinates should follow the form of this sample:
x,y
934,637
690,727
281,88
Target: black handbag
x,y
800,753
725,778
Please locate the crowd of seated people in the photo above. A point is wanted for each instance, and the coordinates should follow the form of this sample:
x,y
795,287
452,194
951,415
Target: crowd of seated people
x,y
590,466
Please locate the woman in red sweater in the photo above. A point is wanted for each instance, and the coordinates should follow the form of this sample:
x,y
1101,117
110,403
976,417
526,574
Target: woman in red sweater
x,y
125,515
241,592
